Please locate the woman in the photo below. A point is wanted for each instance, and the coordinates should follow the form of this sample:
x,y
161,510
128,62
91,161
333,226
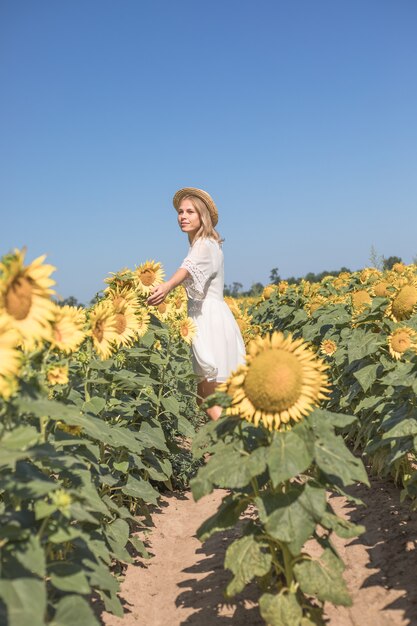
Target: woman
x,y
218,347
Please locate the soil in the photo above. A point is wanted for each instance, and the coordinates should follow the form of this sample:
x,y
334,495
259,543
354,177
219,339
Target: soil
x,y
183,583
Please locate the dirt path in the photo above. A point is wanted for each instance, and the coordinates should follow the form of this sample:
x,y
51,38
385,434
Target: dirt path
x,y
182,585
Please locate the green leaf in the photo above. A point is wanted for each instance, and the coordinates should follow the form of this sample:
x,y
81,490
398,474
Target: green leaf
x,y
337,462
171,405
362,345
323,578
280,610
31,555
73,610
246,558
25,599
68,577
152,436
95,405
20,438
367,375
139,488
231,469
342,527
289,454
292,516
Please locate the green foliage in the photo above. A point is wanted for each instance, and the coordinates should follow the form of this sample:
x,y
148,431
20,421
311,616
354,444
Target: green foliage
x,y
79,466
277,485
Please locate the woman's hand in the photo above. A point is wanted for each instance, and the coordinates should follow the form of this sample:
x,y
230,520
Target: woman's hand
x,y
159,293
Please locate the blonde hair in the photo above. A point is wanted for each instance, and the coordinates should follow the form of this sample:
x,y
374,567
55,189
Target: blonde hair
x,y
206,229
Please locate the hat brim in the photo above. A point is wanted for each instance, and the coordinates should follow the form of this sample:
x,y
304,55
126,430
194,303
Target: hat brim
x,y
203,195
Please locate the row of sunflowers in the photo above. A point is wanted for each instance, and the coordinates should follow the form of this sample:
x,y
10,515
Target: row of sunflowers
x,y
329,364
95,404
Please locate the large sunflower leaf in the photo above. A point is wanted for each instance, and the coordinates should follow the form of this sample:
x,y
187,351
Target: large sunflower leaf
x,y
229,468
336,461
323,578
289,454
292,516
280,610
24,600
246,559
73,610
68,577
367,375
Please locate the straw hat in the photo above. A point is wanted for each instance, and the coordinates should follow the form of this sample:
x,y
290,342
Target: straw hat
x,y
203,195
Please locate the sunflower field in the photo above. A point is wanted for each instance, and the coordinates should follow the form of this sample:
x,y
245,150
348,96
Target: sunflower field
x,y
330,379
95,405
98,405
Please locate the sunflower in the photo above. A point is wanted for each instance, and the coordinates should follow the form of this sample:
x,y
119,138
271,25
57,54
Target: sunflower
x,y
368,274
8,386
178,301
399,268
315,303
244,322
67,428
187,329
381,288
283,286
127,326
233,306
148,275
25,301
124,279
268,291
328,347
339,282
162,311
403,303
120,297
144,319
401,340
57,375
103,324
10,360
360,300
68,328
281,382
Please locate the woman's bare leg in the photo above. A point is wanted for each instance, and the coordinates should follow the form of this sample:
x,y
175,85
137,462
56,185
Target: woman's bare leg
x,y
204,389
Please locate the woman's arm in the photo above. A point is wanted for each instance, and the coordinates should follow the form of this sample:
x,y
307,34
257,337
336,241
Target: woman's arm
x,y
160,292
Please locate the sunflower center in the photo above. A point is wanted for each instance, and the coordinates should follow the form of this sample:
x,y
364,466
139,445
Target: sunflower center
x,y
381,288
98,331
184,330
400,342
360,298
404,302
274,380
162,307
18,298
147,277
120,323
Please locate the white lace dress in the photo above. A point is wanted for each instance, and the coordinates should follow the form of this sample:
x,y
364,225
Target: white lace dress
x,y
218,347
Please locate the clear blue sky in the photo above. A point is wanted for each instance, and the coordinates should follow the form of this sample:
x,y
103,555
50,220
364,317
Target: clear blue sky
x,y
298,116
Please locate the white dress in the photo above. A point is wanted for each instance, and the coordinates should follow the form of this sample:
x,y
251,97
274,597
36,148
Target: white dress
x,y
218,346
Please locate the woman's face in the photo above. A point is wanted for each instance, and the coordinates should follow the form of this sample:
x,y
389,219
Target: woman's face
x,y
188,218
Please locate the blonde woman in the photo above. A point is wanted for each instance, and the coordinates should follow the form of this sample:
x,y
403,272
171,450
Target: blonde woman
x,y
218,346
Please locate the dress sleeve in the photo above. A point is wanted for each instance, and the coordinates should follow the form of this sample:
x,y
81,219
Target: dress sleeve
x,y
200,264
